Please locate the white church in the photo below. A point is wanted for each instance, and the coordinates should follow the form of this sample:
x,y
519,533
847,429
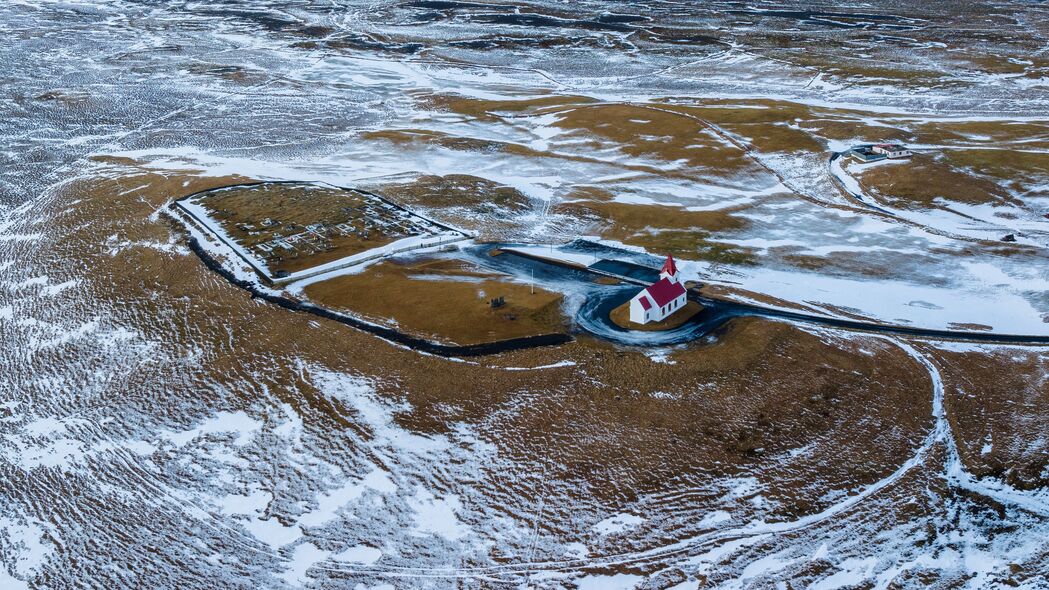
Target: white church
x,y
660,299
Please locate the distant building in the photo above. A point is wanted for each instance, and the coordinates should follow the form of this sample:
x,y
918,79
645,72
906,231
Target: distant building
x,y
892,150
660,299
865,155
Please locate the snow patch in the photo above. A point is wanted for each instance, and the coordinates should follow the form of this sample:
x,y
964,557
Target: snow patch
x,y
362,554
613,582
618,524
272,532
238,423
438,515
329,504
26,549
302,558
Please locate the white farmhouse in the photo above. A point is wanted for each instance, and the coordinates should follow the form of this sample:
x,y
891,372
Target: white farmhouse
x,y
660,299
892,150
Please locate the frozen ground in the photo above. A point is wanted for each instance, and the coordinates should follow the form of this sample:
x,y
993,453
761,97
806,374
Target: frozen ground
x,y
159,429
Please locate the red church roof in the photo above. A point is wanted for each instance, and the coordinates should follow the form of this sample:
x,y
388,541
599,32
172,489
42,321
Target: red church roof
x,y
669,267
664,291
646,304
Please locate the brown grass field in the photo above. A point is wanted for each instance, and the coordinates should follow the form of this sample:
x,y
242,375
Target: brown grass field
x,y
489,209
919,182
644,132
621,317
995,400
651,132
166,428
1033,134
664,229
766,125
442,299
1020,172
614,427
291,208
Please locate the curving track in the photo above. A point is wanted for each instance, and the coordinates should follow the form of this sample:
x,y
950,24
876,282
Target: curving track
x,y
939,442
600,300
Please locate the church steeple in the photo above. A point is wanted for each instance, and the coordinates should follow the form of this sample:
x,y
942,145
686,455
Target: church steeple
x,y
669,270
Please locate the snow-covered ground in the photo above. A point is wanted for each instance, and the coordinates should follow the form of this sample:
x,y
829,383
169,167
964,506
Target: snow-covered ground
x,y
159,429
981,222
440,237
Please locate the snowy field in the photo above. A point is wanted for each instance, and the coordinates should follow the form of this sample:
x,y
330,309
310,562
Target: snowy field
x,y
161,429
